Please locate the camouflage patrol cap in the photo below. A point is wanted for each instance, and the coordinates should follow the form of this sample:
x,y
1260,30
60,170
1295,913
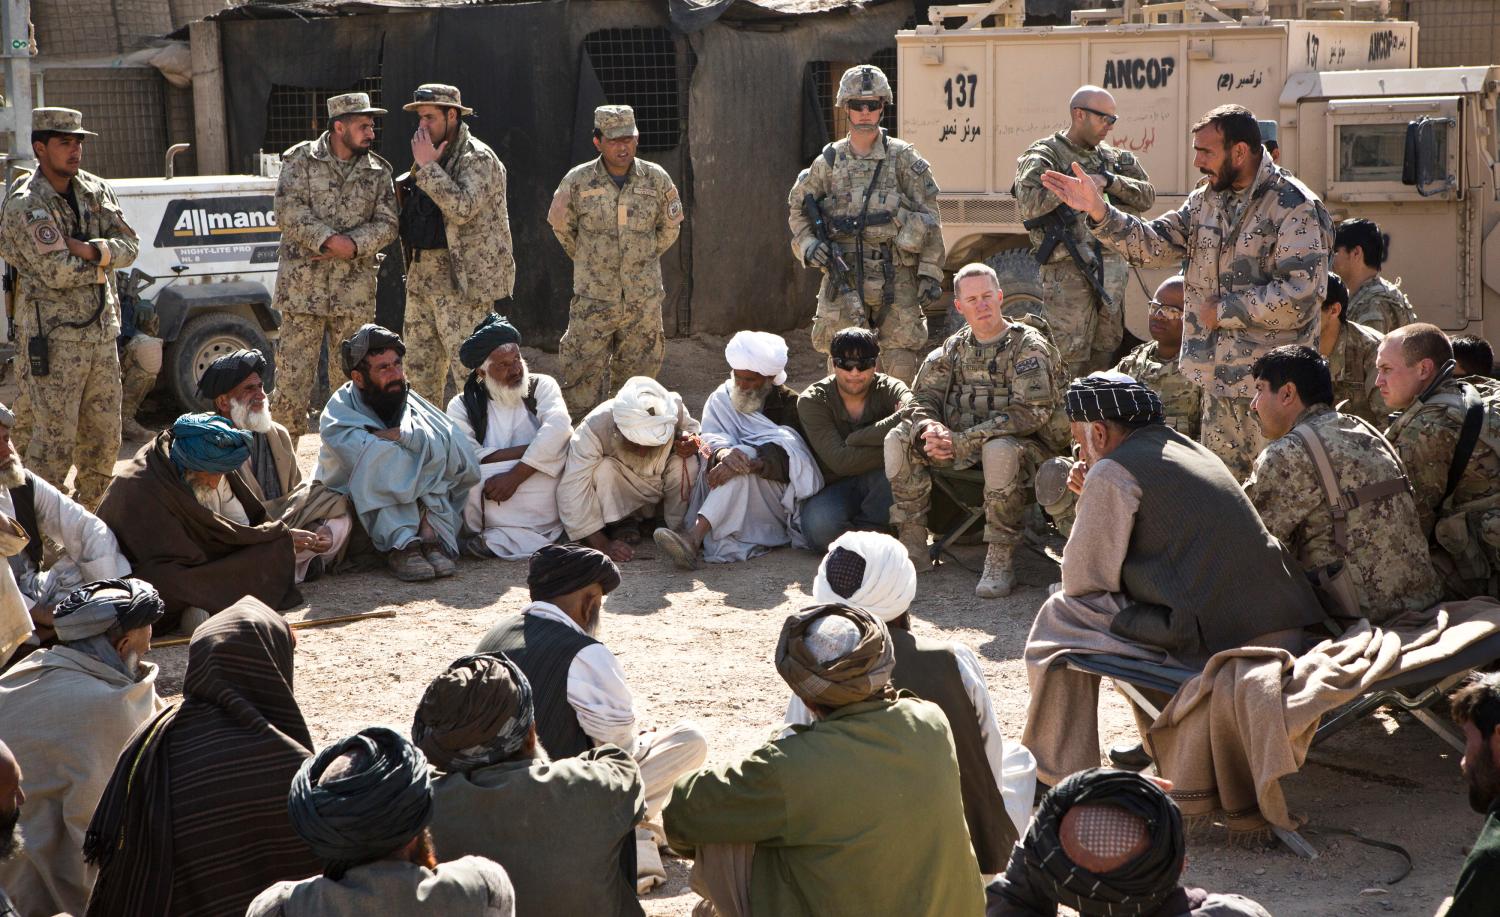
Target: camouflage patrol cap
x,y
59,121
615,121
351,103
437,94
1267,131
866,81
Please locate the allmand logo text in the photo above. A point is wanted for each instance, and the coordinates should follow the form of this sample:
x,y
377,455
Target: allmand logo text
x,y
203,223
218,221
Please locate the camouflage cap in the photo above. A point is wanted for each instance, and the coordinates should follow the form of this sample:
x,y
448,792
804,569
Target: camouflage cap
x,y
352,103
866,81
59,121
1267,131
437,94
615,121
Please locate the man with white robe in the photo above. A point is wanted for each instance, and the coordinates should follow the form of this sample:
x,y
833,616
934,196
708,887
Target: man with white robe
x,y
760,469
633,452
518,427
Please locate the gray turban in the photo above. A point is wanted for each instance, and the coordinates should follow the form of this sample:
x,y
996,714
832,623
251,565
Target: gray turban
x,y
1113,396
230,370
366,339
93,609
477,713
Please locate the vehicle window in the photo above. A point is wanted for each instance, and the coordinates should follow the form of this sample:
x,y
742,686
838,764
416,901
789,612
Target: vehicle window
x,y
1374,152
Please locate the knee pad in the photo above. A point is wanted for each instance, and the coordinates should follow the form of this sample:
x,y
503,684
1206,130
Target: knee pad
x,y
1052,480
1001,461
895,450
147,352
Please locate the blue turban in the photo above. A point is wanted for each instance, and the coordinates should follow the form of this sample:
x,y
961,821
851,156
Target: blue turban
x,y
208,442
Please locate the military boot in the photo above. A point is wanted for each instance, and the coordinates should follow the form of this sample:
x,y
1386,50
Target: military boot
x,y
134,387
913,537
999,572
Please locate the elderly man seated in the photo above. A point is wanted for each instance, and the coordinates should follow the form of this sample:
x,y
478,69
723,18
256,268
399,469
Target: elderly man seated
x,y
190,526
759,470
518,428
581,696
477,723
235,383
860,813
68,711
632,453
403,464
1167,562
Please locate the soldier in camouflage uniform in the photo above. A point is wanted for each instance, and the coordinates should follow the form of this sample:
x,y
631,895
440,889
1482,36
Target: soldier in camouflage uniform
x,y
615,217
452,282
1256,243
140,363
337,209
981,399
1086,329
1414,372
1379,539
883,184
1359,250
64,234
1350,350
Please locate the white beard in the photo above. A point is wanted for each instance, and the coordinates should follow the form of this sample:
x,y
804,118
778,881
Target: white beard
x,y
207,495
244,418
12,472
748,402
508,396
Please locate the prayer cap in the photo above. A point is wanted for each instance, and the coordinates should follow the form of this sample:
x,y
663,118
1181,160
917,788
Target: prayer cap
x,y
758,352
368,812
208,442
861,673
366,339
1113,396
559,569
477,713
645,412
494,331
230,370
7,416
94,608
868,570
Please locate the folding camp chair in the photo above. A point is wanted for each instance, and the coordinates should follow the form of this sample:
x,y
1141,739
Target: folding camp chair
x,y
964,491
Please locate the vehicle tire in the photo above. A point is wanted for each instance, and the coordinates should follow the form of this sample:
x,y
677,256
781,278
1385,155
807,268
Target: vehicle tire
x,y
204,339
1020,278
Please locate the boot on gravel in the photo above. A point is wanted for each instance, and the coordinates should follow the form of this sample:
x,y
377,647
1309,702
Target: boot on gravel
x,y
999,572
914,538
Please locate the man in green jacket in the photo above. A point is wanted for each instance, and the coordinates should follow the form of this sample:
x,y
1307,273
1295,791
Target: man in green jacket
x,y
1476,708
793,828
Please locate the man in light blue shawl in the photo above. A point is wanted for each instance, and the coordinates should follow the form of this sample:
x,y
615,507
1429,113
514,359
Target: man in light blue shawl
x,y
400,460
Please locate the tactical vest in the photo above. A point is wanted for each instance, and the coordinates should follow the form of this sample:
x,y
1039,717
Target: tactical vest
x,y
851,181
544,650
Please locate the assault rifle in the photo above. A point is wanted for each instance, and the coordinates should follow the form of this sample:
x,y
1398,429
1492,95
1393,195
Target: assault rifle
x,y
1056,224
836,267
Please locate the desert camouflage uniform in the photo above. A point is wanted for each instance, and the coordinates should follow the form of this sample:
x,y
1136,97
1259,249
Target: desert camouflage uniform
x,y
1086,331
72,414
1387,551
907,243
1352,365
1181,399
1381,305
449,290
1264,253
616,237
319,196
995,398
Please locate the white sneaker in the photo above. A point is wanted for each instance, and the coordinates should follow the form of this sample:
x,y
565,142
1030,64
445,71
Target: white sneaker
x,y
999,573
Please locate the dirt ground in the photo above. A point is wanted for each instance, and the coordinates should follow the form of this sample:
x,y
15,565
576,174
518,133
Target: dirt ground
x,y
698,646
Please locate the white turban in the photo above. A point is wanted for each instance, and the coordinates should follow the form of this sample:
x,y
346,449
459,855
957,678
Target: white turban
x,y
758,352
889,582
645,412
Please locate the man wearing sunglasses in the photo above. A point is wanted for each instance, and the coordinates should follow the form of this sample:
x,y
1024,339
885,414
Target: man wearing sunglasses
x,y
1087,329
877,231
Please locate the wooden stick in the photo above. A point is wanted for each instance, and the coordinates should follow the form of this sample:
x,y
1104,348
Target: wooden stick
x,y
299,625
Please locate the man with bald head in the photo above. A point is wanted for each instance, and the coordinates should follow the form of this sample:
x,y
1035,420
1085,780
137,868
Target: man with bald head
x,y
1088,326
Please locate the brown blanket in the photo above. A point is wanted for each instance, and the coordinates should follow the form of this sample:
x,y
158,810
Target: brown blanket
x,y
1230,734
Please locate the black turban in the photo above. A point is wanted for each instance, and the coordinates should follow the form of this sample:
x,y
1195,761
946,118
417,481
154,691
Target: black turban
x,y
477,713
559,569
1113,396
93,609
230,370
493,331
366,339
369,812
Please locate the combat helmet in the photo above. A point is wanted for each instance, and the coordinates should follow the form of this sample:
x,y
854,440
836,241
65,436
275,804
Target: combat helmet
x,y
864,82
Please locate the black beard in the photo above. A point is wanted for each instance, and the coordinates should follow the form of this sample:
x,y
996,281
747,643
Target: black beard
x,y
388,405
10,838
1484,783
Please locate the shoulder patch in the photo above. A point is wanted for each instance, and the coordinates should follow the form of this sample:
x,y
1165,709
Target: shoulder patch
x,y
920,166
1028,366
830,155
47,237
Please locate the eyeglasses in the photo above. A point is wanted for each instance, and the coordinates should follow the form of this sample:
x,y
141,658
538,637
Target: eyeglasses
x,y
857,366
1163,308
866,104
1108,119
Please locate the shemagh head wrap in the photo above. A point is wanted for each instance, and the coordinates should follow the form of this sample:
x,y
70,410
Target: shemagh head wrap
x,y
230,370
868,570
1113,396
208,442
477,713
92,609
758,352
559,569
863,672
645,412
367,813
494,331
366,339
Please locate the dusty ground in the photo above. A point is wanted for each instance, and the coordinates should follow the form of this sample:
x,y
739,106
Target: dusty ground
x,y
698,646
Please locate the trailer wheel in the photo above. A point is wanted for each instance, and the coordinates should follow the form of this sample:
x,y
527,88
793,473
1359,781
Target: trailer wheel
x,y
204,339
1020,278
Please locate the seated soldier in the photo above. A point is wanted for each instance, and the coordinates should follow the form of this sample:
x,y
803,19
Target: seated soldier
x,y
1457,489
1476,709
859,813
1168,562
760,470
476,723
1474,357
633,452
362,805
582,699
979,400
235,383
845,418
1350,350
398,459
517,426
1359,252
190,526
1368,560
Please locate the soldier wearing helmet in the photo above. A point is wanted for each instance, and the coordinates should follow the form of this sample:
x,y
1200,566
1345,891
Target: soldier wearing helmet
x,y
880,244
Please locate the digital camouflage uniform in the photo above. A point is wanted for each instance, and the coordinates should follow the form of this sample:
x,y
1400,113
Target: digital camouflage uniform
x,y
1264,253
1352,365
616,237
995,398
1386,550
1381,305
71,416
319,196
449,290
1086,331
